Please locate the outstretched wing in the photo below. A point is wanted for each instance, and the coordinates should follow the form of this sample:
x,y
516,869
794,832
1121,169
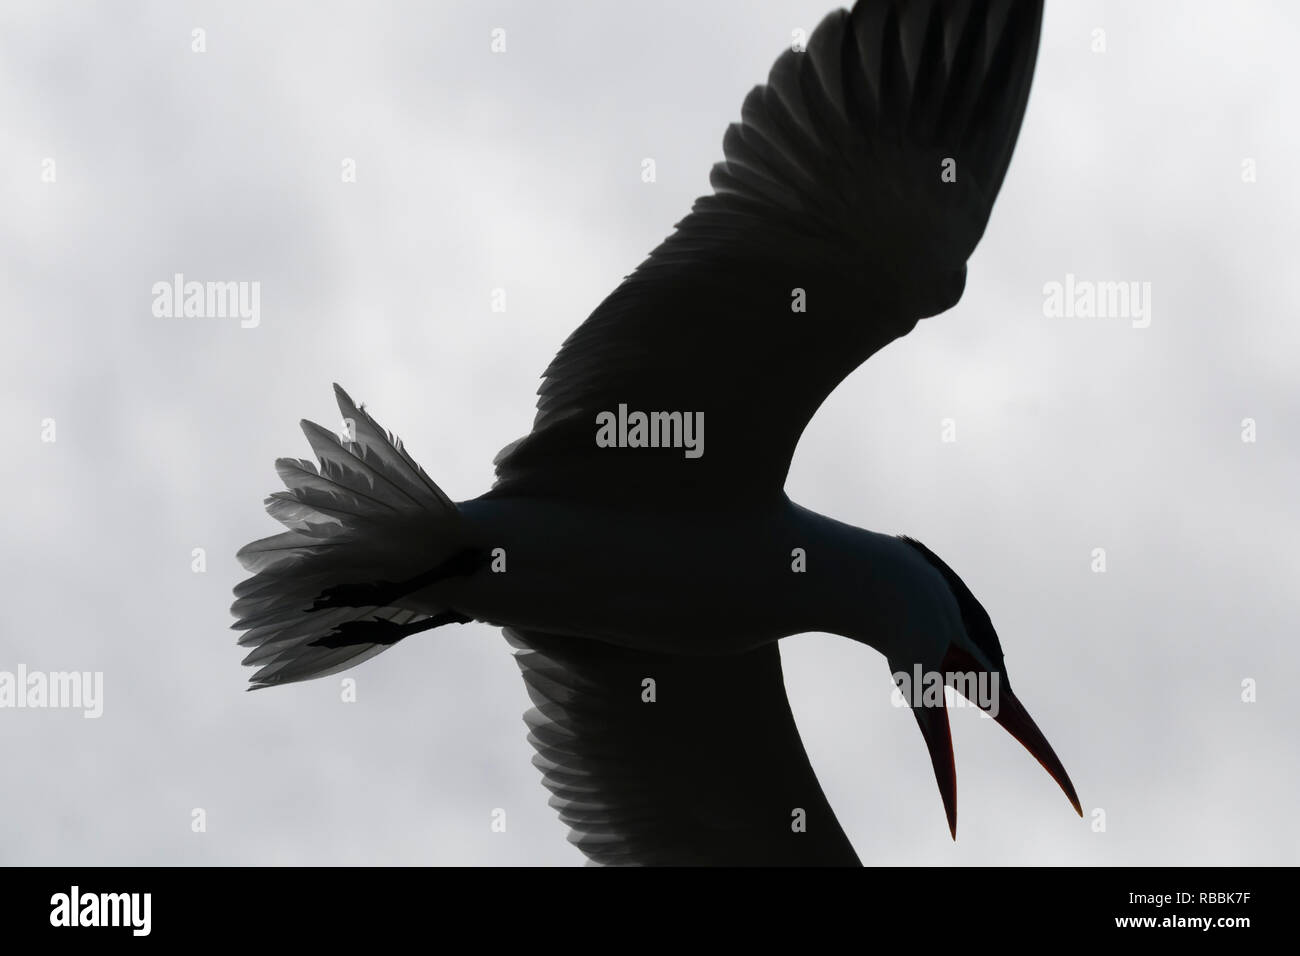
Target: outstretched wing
x,y
710,772
854,189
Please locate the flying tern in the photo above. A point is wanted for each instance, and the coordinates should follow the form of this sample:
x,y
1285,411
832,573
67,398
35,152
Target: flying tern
x,y
638,547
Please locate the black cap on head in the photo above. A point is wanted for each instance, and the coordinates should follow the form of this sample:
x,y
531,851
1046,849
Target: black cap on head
x,y
973,616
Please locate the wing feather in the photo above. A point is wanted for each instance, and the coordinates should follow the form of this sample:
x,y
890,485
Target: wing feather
x,y
832,189
713,771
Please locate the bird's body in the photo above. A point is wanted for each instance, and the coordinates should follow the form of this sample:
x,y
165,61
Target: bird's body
x,y
645,584
654,577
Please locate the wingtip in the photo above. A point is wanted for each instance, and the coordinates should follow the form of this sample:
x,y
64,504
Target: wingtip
x,y
344,399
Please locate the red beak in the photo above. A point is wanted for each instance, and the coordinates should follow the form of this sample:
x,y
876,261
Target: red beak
x,y
938,738
1011,714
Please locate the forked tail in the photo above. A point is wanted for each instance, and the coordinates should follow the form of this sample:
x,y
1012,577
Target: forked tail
x,y
367,532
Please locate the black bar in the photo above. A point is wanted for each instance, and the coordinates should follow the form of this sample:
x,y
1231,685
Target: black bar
x,y
935,906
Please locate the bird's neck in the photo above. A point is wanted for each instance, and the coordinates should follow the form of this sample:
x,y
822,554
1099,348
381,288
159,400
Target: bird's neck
x,y
873,588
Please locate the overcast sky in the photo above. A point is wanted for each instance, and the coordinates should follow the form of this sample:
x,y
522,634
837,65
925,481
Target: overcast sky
x,y
522,171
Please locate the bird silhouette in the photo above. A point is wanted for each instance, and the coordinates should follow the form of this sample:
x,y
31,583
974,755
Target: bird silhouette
x,y
644,568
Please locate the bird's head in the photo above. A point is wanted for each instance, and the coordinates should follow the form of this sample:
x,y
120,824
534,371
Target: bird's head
x,y
962,647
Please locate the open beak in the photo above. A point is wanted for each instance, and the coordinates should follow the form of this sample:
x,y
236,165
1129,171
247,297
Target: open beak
x,y
938,738
1011,714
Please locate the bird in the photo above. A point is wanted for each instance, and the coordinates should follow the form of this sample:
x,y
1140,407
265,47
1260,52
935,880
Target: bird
x,y
644,568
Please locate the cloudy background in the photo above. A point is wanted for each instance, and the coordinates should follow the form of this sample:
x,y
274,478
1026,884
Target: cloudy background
x,y
522,171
